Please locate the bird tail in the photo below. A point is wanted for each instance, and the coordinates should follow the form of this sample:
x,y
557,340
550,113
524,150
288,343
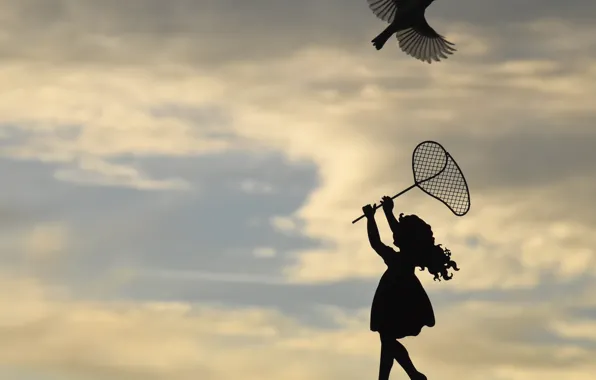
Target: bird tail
x,y
380,40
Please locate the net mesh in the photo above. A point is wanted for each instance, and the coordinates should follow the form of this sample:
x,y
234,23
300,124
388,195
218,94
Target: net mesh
x,y
428,160
437,174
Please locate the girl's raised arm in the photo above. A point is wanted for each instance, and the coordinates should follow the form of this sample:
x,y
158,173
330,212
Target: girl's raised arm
x,y
374,237
387,203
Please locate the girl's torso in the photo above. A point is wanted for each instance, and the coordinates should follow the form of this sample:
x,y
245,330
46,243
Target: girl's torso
x,y
400,272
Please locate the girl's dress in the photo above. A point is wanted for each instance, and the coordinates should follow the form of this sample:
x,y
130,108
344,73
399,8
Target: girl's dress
x,y
400,306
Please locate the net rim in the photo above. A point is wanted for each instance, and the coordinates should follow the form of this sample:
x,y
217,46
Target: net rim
x,y
439,172
448,157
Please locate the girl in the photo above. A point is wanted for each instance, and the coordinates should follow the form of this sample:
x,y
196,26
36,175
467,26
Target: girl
x,y
401,307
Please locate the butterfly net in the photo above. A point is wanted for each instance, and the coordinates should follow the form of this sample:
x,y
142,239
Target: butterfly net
x,y
437,174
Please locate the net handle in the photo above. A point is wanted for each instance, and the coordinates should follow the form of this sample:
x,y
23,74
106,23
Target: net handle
x,y
416,184
393,197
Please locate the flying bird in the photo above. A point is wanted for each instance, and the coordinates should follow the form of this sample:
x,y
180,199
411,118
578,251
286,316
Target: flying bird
x,y
415,37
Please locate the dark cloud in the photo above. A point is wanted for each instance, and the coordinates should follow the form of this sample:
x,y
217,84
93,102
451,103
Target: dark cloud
x,y
533,158
11,217
22,204
216,32
210,231
492,13
524,159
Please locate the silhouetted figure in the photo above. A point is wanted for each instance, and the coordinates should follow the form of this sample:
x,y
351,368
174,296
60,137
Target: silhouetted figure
x,y
400,306
416,38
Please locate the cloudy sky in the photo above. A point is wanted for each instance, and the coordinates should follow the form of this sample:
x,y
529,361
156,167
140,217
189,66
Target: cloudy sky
x,y
179,177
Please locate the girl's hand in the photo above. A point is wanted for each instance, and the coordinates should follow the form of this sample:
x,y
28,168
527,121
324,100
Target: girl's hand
x,y
387,204
369,211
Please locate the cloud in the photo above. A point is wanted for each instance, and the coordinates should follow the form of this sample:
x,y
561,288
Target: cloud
x,y
583,330
154,340
92,171
264,252
284,224
252,186
46,242
149,78
11,216
357,121
205,276
150,31
46,329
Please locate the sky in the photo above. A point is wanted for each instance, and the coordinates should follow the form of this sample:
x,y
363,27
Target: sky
x,y
179,179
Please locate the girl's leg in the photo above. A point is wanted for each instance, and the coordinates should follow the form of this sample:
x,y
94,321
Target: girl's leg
x,y
387,356
399,352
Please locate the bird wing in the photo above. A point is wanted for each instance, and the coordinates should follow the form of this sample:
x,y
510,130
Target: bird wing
x,y
387,9
423,43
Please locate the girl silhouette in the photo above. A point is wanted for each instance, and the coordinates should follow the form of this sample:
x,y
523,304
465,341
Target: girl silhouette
x,y
400,306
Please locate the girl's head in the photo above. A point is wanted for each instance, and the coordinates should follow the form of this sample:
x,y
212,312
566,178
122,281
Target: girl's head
x,y
414,236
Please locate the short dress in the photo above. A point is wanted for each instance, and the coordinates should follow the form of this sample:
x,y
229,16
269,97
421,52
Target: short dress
x,y
400,306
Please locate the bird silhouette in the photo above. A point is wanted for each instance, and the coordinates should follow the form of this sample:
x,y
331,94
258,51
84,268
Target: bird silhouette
x,y
416,38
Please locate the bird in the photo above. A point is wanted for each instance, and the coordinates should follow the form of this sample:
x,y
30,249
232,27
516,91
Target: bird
x,y
415,36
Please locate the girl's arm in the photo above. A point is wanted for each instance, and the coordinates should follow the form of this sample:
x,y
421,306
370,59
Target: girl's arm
x,y
387,203
391,220
374,237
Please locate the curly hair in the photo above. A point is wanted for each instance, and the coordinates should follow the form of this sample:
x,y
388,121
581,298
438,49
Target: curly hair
x,y
415,234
